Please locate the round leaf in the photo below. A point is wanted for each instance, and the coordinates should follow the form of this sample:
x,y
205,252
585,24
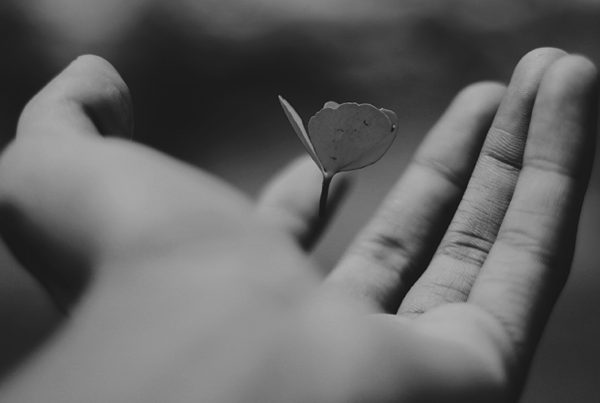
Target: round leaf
x,y
351,136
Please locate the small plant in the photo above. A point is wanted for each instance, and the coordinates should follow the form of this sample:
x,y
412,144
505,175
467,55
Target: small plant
x,y
343,137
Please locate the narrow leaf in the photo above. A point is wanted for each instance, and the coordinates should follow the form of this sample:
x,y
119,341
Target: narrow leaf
x,y
298,126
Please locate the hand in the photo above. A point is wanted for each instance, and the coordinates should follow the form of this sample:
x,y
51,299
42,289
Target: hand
x,y
180,289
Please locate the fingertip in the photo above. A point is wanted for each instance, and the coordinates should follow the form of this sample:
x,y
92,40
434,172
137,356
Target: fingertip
x,y
480,98
89,95
540,55
531,66
565,118
573,75
544,51
96,83
482,90
93,62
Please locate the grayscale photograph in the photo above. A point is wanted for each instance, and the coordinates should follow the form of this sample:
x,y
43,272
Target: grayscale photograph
x,y
299,201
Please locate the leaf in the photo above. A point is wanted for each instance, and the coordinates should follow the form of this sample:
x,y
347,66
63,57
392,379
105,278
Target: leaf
x,y
392,116
331,104
343,137
298,127
350,136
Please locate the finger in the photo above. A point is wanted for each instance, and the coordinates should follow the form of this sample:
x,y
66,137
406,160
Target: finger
x,y
473,229
397,244
291,201
530,261
88,96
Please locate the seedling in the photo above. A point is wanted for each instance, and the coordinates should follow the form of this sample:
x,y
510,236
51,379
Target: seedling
x,y
343,137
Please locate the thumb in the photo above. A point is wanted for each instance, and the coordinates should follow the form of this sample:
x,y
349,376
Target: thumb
x,y
44,172
89,96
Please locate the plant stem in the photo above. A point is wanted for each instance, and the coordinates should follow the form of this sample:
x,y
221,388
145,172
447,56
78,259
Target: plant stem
x,y
324,192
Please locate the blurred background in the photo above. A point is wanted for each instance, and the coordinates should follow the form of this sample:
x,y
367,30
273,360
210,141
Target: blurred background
x,y
205,75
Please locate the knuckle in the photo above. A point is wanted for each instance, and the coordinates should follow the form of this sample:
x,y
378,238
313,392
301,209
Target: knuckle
x,y
466,245
435,289
441,289
452,289
504,148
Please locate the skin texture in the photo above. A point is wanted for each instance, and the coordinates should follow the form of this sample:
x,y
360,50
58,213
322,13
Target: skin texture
x,y
178,288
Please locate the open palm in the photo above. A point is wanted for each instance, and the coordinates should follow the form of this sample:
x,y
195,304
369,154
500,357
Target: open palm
x,y
181,289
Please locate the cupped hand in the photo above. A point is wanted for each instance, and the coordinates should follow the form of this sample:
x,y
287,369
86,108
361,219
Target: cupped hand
x,y
179,288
